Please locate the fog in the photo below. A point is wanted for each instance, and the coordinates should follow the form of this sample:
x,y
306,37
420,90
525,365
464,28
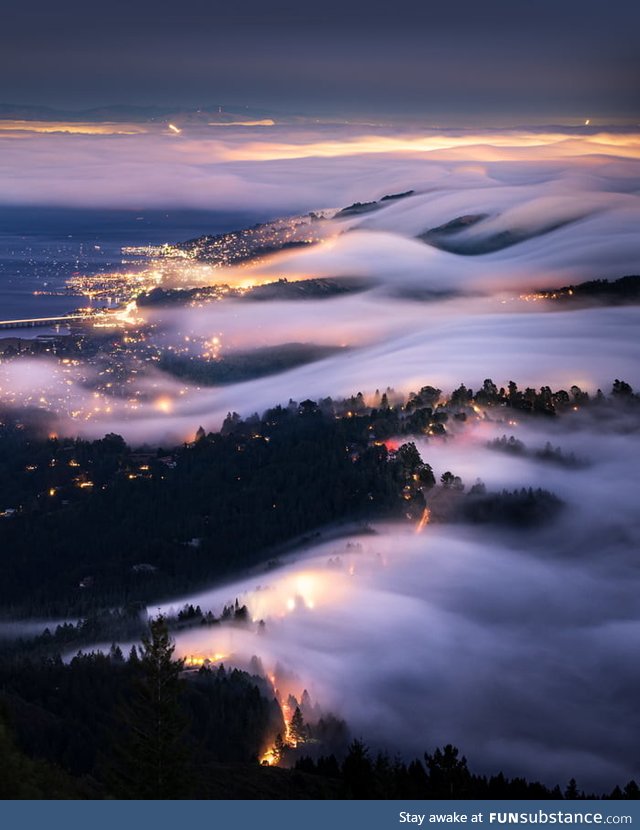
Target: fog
x,y
519,647
549,208
397,343
286,168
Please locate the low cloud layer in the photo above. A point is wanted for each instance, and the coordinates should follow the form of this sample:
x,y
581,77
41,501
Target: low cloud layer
x,y
393,343
517,647
282,168
547,209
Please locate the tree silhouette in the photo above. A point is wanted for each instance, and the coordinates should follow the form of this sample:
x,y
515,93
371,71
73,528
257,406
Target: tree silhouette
x,y
297,727
449,776
357,772
571,791
151,761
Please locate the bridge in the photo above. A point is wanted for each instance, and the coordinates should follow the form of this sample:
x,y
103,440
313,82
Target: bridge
x,y
41,321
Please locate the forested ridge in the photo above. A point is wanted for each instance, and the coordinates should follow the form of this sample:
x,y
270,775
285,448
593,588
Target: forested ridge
x,y
99,529
138,726
91,524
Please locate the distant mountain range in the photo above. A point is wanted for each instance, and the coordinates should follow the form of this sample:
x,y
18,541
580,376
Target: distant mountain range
x,y
141,114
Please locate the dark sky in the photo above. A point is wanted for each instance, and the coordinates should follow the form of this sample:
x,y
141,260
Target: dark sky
x,y
538,58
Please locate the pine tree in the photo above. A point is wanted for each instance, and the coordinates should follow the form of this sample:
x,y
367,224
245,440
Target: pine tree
x,y
357,772
297,728
449,776
152,759
632,791
571,791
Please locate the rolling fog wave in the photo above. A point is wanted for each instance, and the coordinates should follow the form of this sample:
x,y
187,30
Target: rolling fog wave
x,y
486,220
520,648
517,647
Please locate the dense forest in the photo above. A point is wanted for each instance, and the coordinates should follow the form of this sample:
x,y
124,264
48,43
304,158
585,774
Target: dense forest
x,y
89,525
106,725
241,366
98,529
154,523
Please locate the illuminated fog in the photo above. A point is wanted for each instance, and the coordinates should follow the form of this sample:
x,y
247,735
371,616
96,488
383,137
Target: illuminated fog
x,y
563,207
520,647
517,646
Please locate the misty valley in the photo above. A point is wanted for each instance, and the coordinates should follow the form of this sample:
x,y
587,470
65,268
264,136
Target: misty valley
x,y
315,509
343,496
